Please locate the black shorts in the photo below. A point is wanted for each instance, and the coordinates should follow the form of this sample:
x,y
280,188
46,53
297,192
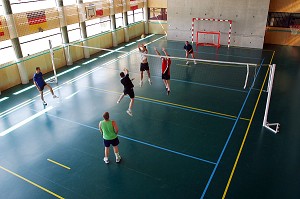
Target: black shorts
x,y
165,76
192,51
41,88
144,66
114,142
129,92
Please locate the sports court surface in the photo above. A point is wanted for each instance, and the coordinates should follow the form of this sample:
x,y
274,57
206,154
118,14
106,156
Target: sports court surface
x,y
178,146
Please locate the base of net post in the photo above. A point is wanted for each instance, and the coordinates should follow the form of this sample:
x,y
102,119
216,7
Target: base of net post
x,y
52,81
274,127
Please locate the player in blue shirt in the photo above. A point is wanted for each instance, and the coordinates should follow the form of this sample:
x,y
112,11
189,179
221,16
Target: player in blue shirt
x,y
40,83
189,51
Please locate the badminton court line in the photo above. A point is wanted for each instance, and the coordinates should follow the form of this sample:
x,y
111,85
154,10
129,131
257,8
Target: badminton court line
x,y
230,135
246,133
30,182
173,105
137,141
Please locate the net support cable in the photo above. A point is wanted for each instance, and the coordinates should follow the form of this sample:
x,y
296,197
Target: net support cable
x,y
273,127
247,65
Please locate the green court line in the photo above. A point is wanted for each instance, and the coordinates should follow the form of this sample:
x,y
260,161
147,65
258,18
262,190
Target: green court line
x,y
213,113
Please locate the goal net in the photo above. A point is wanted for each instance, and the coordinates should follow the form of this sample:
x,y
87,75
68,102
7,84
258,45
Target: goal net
x,y
214,32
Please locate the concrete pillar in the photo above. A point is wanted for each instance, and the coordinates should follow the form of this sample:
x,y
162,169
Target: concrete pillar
x,y
126,28
113,24
82,25
64,31
125,21
15,41
146,19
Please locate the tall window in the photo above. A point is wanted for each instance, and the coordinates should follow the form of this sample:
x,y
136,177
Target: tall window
x,y
283,19
6,51
135,15
18,6
96,26
138,15
38,42
74,32
157,14
119,20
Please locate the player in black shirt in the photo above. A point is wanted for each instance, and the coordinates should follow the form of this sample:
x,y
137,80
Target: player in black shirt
x,y
128,89
189,51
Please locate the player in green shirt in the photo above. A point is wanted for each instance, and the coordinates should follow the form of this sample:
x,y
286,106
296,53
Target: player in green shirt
x,y
109,131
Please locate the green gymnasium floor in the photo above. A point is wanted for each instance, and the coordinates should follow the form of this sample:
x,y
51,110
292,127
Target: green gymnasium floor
x,y
178,146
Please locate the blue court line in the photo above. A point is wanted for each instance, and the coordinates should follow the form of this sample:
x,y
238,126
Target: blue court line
x,y
231,132
137,141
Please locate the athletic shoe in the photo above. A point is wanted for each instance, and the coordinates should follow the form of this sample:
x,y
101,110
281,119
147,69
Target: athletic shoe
x,y
141,83
44,103
149,80
54,96
195,62
187,63
129,112
118,101
118,159
105,159
168,92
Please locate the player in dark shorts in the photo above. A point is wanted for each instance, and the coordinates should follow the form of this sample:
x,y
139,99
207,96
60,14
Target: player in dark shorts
x,y
40,84
165,69
128,89
144,63
109,131
189,51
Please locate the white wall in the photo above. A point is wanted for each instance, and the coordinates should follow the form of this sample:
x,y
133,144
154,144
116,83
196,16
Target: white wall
x,y
249,19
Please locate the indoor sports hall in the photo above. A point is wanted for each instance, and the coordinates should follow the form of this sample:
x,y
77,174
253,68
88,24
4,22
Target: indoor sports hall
x,y
211,99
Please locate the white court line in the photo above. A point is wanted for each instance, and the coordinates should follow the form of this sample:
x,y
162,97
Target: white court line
x,y
4,98
130,44
90,61
16,126
15,108
70,96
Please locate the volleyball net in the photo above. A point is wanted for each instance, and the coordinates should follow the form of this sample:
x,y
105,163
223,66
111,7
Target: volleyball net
x,y
227,74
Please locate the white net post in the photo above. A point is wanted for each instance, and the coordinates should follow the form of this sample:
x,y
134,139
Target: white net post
x,y
54,78
274,127
247,76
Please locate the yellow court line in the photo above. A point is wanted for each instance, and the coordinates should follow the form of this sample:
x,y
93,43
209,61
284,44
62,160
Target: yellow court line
x,y
54,162
245,136
272,57
178,105
30,182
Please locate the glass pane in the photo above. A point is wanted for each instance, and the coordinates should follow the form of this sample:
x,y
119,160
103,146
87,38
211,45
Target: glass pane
x,y
93,27
138,15
34,43
6,51
74,32
29,5
130,17
157,13
119,20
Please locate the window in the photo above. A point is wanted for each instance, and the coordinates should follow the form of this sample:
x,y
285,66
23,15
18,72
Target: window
x,y
135,15
35,43
119,20
138,15
157,13
130,17
283,19
18,6
6,51
96,26
74,32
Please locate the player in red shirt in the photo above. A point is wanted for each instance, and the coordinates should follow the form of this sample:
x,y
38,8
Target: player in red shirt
x,y
165,68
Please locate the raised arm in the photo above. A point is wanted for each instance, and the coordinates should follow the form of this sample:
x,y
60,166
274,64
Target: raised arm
x,y
156,51
165,51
